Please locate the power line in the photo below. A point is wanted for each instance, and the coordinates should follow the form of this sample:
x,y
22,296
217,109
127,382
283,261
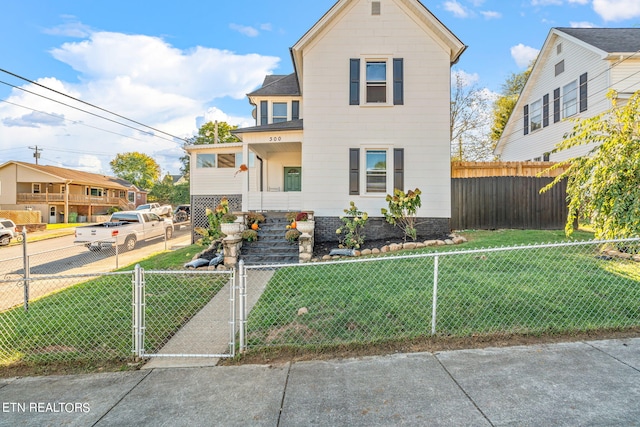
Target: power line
x,y
88,103
88,112
75,122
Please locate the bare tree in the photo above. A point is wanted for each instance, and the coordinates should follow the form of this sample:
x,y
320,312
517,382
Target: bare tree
x,y
470,120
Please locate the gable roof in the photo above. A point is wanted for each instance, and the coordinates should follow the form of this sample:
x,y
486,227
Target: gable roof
x,y
278,85
420,11
75,176
609,40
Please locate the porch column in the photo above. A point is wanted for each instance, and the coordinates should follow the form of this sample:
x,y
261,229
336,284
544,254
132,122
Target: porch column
x,y
66,202
245,178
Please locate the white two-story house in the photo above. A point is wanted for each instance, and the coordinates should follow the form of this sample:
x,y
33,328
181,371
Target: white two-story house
x,y
575,70
366,111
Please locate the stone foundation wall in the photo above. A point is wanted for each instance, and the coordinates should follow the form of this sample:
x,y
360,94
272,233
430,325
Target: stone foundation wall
x,y
378,229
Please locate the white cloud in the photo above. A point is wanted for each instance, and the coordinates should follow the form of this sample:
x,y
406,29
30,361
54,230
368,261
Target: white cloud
x,y
523,55
70,29
247,31
489,14
456,8
465,78
578,1
546,2
140,77
617,10
266,27
582,24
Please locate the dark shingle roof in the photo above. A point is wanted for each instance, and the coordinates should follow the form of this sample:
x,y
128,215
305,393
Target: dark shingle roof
x,y
608,39
275,85
290,125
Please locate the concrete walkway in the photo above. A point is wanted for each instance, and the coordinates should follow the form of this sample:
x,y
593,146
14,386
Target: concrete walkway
x,y
209,331
594,383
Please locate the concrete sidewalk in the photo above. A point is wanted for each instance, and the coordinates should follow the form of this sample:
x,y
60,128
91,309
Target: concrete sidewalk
x,y
593,383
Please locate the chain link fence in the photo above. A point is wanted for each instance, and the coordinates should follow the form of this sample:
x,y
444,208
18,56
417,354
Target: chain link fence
x,y
549,288
116,316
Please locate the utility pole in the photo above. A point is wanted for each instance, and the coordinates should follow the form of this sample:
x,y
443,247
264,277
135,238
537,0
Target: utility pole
x,y
37,152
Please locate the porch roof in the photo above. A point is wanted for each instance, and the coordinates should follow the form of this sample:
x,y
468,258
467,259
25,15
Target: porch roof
x,y
282,126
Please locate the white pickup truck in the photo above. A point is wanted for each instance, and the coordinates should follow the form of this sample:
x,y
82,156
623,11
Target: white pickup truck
x,y
124,228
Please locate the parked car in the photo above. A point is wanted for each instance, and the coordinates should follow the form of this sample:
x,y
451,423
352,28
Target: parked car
x,y
156,208
7,231
182,213
126,226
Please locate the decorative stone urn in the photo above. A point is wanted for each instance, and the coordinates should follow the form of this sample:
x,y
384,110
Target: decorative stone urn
x,y
306,227
231,228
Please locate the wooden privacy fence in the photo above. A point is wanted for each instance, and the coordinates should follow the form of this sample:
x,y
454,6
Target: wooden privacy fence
x,y
485,169
507,202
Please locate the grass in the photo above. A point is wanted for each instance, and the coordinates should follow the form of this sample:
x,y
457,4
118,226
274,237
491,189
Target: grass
x,y
527,291
91,321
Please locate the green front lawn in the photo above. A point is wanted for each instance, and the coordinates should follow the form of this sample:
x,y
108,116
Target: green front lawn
x,y
528,291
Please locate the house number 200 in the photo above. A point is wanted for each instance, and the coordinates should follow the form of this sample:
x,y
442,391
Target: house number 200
x,y
275,138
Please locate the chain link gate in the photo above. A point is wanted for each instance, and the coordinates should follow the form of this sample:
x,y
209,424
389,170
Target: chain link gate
x,y
184,314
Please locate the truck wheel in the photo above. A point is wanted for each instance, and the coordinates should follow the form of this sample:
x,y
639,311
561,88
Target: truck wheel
x,y
4,240
129,243
169,233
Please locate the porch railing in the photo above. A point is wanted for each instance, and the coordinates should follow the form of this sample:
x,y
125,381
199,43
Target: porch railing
x,y
75,199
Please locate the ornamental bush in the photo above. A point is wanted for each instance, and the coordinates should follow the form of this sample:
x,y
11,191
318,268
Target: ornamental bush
x,y
351,232
402,211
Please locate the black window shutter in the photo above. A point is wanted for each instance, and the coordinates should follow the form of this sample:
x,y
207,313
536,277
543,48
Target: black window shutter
x,y
545,110
583,92
526,120
295,110
354,82
354,171
556,105
398,168
398,81
264,111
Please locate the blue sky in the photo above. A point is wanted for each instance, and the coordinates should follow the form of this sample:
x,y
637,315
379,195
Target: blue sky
x,y
167,63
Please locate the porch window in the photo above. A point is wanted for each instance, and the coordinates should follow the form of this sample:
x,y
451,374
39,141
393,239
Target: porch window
x,y
279,112
205,161
227,160
252,160
376,179
96,192
36,188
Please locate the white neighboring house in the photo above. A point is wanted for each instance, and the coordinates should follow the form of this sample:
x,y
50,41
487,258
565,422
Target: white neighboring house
x,y
366,111
575,69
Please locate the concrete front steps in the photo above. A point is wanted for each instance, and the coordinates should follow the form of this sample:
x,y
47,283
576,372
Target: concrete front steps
x,y
271,246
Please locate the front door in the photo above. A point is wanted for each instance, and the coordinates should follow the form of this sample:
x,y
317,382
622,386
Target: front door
x,y
292,179
52,215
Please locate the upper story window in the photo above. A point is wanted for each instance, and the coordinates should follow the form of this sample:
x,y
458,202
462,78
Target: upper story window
x,y
560,68
570,99
536,115
376,81
279,112
380,80
36,188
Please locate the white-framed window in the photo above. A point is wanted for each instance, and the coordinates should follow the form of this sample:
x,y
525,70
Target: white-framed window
x,y
35,188
375,170
376,82
131,196
279,110
535,115
570,99
205,160
226,160
252,160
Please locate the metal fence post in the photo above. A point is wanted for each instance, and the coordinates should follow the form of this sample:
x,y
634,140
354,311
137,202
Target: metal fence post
x,y
242,277
435,294
117,251
25,265
138,312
